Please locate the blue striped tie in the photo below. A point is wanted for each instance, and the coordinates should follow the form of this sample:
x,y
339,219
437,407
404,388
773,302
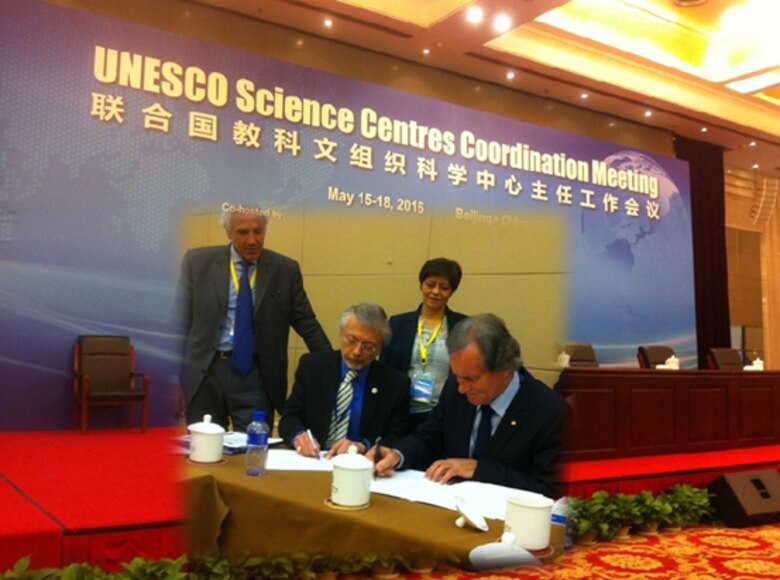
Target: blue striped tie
x,y
339,423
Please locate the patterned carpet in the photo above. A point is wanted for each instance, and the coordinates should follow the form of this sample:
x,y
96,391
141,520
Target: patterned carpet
x,y
702,553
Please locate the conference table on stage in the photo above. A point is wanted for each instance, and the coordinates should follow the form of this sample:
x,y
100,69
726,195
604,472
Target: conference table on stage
x,y
286,513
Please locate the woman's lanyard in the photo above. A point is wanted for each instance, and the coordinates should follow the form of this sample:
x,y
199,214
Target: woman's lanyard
x,y
234,275
423,346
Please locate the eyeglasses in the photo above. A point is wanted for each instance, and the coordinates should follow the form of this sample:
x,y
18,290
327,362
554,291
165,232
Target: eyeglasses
x,y
352,342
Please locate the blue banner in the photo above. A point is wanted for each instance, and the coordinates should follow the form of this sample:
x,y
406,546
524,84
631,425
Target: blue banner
x,y
110,131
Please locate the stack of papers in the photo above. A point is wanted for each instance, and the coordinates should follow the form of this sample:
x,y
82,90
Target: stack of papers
x,y
232,443
291,460
486,498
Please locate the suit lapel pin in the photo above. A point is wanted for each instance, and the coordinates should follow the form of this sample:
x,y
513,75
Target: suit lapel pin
x,y
513,423
374,390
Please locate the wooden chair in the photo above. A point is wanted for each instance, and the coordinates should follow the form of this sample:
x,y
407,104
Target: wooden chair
x,y
725,358
581,354
649,356
104,375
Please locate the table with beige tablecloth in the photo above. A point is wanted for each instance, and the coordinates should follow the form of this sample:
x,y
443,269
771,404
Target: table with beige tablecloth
x,y
285,513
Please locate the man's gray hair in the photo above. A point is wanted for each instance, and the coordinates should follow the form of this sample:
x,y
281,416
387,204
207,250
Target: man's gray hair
x,y
371,315
229,210
500,350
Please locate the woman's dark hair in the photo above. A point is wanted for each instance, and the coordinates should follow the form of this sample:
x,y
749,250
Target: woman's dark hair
x,y
450,269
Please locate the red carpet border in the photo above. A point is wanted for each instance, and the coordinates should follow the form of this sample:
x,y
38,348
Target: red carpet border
x,y
702,553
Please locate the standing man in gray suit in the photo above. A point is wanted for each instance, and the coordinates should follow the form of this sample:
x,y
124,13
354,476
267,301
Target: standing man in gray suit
x,y
226,384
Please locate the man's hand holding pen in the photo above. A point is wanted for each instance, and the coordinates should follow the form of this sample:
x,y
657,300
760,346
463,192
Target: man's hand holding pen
x,y
385,460
306,444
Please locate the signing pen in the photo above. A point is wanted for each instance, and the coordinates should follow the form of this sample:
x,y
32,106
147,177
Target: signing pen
x,y
377,453
314,443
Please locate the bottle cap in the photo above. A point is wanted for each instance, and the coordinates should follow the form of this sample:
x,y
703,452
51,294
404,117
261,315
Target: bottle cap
x,y
258,415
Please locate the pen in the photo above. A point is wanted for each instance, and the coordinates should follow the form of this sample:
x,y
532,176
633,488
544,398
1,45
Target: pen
x,y
377,453
314,443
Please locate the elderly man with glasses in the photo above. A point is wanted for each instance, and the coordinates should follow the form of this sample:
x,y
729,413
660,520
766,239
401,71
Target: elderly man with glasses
x,y
347,397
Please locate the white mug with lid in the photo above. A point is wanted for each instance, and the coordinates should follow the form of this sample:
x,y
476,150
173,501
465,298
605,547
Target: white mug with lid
x,y
206,440
352,475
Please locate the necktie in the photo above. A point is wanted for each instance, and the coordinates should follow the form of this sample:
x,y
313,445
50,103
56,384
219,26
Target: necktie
x,y
483,431
339,423
244,329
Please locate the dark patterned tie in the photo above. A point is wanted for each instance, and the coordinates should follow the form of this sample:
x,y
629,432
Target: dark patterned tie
x,y
244,329
483,431
339,423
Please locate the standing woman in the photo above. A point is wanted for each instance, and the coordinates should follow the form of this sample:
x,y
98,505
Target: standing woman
x,y
418,346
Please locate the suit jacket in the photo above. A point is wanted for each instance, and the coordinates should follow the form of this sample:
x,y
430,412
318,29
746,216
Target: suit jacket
x,y
310,406
398,353
280,303
524,452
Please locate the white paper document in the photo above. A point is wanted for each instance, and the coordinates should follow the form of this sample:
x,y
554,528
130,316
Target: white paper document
x,y
237,440
233,440
232,443
291,460
486,498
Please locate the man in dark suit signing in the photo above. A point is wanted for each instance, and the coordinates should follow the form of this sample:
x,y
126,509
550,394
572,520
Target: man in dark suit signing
x,y
494,422
347,397
235,354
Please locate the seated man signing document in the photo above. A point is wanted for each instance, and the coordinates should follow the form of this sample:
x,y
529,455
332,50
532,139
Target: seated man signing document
x,y
347,397
494,422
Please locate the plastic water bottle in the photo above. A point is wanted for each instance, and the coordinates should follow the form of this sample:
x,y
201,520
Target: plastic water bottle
x,y
560,517
256,444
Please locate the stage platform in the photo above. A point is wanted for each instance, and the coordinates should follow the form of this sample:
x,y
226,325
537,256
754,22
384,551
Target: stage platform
x,y
102,497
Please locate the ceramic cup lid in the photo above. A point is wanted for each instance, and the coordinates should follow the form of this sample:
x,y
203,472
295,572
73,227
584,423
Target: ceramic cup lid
x,y
352,460
206,426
